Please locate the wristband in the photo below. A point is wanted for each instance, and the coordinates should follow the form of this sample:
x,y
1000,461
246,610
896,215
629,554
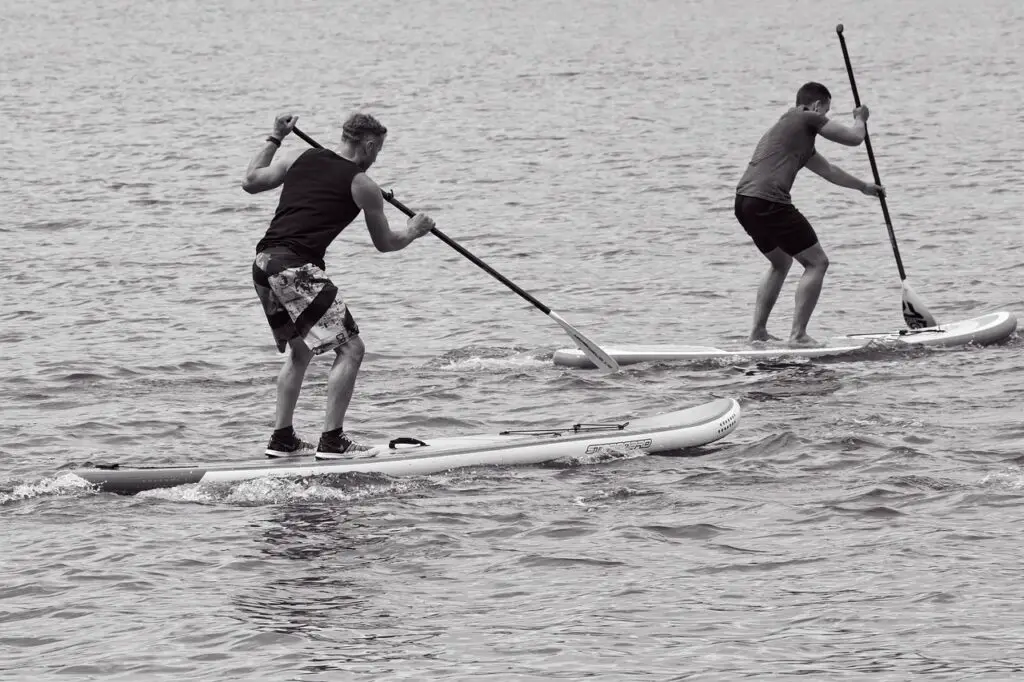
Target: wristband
x,y
277,142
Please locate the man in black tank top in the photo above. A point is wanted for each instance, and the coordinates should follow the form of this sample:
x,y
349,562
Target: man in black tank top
x,y
764,207
322,192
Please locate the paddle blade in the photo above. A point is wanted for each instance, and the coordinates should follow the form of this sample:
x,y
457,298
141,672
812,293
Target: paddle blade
x,y
602,360
915,312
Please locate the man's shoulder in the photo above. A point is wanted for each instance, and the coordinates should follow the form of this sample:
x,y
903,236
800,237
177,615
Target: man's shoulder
x,y
365,192
292,156
363,180
812,119
796,120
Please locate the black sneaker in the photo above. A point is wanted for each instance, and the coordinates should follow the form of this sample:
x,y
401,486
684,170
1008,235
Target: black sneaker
x,y
342,447
289,446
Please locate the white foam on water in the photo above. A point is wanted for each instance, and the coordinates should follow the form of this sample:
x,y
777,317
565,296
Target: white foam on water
x,y
271,490
62,484
477,363
598,498
1012,479
606,453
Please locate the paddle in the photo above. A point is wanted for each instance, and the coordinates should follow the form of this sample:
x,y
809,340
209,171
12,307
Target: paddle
x,y
915,313
600,358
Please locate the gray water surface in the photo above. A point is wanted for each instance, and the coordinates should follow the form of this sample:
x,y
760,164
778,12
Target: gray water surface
x,y
862,521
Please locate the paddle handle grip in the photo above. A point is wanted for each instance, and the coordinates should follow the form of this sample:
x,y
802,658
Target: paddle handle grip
x,y
871,156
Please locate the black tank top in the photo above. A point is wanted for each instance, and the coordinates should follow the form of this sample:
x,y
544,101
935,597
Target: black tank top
x,y
315,206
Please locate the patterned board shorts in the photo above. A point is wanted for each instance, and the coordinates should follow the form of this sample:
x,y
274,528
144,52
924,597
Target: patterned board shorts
x,y
300,301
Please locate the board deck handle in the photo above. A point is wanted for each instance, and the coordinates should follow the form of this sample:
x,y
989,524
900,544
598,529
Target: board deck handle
x,y
404,440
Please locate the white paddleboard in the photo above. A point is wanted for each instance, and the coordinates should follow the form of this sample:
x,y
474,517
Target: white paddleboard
x,y
983,330
661,433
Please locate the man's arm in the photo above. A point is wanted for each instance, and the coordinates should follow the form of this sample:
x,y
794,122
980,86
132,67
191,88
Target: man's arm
x,y
367,196
851,136
837,176
261,174
266,173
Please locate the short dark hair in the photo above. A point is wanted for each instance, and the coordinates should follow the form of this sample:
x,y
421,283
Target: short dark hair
x,y
809,93
358,127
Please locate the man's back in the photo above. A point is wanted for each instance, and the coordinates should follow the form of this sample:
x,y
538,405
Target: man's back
x,y
780,154
316,204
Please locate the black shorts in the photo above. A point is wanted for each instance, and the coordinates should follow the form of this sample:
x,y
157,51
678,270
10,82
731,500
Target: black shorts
x,y
774,226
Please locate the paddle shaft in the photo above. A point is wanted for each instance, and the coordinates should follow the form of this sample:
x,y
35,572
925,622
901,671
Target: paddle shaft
x,y
871,155
447,240
458,247
600,358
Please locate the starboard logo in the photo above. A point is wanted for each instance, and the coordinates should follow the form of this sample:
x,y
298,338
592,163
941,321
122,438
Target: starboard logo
x,y
621,445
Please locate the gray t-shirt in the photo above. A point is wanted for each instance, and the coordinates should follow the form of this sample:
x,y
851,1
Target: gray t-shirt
x,y
780,154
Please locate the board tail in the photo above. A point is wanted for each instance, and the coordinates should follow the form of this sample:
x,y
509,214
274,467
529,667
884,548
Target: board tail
x,y
915,312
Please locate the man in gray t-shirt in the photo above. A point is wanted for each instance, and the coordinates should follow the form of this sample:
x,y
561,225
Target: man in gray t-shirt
x,y
765,209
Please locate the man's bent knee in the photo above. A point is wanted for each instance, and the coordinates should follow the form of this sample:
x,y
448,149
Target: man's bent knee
x,y
779,259
353,349
299,352
813,258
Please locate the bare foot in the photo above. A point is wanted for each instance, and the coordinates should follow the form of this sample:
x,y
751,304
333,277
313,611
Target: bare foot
x,y
803,341
761,335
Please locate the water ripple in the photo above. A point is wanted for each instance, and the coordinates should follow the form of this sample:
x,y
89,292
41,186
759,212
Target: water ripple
x,y
862,520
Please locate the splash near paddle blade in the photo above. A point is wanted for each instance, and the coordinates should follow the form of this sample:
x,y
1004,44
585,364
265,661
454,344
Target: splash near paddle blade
x,y
915,312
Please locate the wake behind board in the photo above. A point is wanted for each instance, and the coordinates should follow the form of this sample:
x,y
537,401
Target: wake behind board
x,y
660,433
983,330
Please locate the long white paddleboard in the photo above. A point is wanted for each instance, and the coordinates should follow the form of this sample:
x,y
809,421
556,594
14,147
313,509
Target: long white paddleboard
x,y
982,330
660,433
